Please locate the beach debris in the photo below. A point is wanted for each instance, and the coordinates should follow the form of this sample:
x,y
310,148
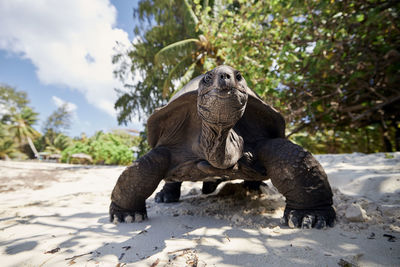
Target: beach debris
x,y
227,237
142,232
121,256
346,263
77,256
355,213
371,236
391,238
184,250
191,258
154,264
55,250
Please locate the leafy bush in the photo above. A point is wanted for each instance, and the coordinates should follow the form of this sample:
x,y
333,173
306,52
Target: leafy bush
x,y
104,148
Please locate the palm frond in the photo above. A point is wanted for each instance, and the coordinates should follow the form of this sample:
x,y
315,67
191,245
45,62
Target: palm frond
x,y
173,46
191,12
167,81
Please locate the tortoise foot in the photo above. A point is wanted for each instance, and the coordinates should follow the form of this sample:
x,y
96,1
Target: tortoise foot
x,y
171,192
120,215
254,185
309,218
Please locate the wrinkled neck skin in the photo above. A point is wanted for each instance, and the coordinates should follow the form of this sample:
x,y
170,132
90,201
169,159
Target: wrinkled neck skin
x,y
221,146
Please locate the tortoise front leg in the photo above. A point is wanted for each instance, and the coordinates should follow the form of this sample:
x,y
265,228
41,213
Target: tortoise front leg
x,y
301,179
136,184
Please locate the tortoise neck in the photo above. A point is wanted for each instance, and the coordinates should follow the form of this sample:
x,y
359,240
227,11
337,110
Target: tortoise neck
x,y
221,146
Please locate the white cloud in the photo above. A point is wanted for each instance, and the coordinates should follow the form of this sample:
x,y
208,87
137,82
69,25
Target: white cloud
x,y
70,43
70,107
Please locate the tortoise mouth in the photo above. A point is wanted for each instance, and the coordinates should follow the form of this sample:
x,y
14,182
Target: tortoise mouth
x,y
222,107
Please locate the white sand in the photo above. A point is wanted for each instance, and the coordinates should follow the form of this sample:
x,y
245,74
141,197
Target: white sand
x,y
64,208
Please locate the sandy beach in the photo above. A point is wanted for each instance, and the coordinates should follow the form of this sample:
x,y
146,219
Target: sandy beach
x,y
57,215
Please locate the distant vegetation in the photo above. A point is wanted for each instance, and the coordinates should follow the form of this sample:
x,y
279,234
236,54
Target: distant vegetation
x,y
20,140
331,67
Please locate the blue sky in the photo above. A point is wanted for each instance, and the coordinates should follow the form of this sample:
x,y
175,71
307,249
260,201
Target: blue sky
x,y
60,52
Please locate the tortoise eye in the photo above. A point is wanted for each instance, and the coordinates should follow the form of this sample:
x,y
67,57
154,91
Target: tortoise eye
x,y
207,80
238,76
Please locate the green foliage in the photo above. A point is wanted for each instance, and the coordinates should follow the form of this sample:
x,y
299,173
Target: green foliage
x,y
364,139
164,49
11,102
52,142
21,128
331,67
17,120
104,148
59,121
17,133
8,148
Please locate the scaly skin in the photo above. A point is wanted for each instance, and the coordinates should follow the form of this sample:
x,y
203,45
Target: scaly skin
x,y
137,183
300,178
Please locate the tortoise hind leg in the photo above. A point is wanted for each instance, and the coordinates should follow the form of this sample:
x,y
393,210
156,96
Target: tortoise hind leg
x,y
171,192
210,186
136,184
301,179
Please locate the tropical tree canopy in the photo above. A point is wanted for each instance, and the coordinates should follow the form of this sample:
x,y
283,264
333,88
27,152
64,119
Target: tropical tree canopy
x,y
21,127
59,121
16,122
331,67
162,23
11,102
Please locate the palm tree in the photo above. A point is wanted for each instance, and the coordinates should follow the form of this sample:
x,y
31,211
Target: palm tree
x,y
203,55
56,142
22,129
7,145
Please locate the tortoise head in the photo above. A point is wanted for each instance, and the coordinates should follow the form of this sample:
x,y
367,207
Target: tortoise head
x,y
222,96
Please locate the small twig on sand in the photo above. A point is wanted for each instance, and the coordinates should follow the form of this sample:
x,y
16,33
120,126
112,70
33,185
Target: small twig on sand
x,y
77,256
391,238
120,257
227,237
184,250
52,251
154,264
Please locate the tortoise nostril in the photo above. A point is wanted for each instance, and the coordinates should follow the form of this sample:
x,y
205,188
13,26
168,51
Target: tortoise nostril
x,y
225,76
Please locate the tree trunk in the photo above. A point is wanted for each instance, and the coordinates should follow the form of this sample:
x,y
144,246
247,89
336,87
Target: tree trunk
x,y
386,138
367,136
397,137
32,146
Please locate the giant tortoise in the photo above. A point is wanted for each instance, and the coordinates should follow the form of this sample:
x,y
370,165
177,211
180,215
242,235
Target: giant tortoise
x,y
218,127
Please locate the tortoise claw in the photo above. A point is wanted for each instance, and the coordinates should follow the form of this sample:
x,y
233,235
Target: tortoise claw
x,y
309,218
119,215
